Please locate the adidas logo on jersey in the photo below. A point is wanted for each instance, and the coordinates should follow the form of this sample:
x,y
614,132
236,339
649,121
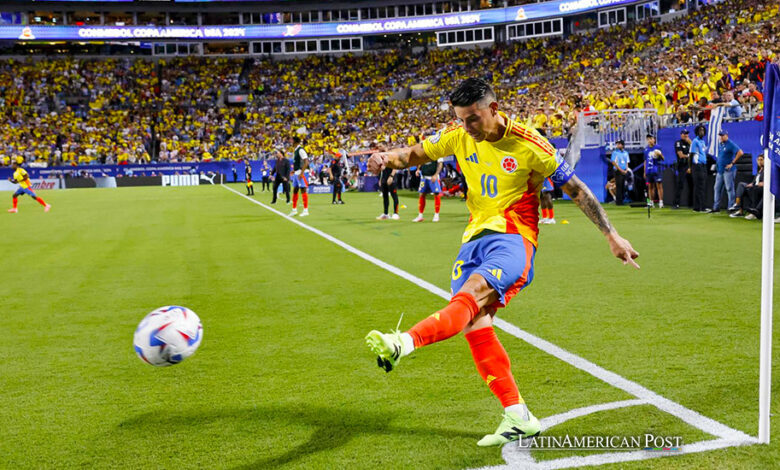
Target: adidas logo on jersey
x,y
473,158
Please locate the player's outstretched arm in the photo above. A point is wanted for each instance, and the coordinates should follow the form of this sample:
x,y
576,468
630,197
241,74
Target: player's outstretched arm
x,y
590,206
397,159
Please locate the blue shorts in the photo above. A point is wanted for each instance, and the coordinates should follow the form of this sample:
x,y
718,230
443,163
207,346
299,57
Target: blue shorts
x,y
506,261
429,186
23,191
654,178
300,181
547,185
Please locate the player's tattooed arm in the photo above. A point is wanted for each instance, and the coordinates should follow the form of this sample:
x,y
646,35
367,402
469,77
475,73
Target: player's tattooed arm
x,y
397,159
590,206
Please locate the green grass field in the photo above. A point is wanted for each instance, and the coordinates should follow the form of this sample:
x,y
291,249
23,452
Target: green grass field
x,y
283,377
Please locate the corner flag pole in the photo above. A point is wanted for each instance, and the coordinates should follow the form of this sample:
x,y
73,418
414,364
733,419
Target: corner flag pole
x,y
767,265
771,143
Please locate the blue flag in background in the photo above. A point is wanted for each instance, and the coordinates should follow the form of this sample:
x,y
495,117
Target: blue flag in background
x,y
771,137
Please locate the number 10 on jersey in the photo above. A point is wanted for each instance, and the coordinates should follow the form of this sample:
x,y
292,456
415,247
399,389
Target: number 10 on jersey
x,y
489,185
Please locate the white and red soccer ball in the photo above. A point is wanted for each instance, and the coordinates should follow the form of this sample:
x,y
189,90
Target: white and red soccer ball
x,y
168,336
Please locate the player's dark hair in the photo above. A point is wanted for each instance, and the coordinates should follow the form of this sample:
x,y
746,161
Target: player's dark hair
x,y
296,140
471,91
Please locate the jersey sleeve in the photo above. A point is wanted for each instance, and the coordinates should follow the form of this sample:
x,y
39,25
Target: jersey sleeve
x,y
303,154
443,143
546,158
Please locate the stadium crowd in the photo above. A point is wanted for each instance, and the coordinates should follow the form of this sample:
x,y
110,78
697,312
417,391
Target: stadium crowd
x,y
124,111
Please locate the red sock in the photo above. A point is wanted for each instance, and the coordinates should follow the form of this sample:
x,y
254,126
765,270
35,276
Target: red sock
x,y
40,201
493,365
551,213
16,202
436,203
305,197
544,213
447,322
421,204
295,200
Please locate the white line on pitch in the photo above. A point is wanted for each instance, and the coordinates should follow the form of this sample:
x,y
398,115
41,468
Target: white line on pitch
x,y
554,420
691,417
697,420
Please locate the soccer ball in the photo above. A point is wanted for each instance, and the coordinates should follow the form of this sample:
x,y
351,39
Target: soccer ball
x,y
657,154
168,336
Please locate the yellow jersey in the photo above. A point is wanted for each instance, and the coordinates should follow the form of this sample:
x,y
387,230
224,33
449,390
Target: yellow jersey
x,y
659,103
540,120
20,177
504,177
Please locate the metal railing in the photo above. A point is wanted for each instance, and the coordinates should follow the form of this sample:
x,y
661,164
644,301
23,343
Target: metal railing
x,y
604,128
749,113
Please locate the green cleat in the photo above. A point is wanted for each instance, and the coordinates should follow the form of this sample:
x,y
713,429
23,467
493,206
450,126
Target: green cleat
x,y
512,428
387,347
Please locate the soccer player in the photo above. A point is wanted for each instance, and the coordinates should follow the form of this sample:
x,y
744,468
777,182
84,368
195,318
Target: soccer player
x,y
546,202
504,163
25,187
300,183
250,188
548,211
429,183
654,172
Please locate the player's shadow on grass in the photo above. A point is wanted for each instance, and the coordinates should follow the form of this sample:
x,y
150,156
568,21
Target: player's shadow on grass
x,y
331,427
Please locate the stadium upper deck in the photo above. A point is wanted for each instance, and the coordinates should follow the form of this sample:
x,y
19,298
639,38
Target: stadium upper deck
x,y
85,110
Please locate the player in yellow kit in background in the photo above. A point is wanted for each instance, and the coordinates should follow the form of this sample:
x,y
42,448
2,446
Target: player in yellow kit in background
x,y
504,163
25,187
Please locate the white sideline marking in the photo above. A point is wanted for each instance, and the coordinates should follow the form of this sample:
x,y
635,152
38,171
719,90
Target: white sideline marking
x,y
727,436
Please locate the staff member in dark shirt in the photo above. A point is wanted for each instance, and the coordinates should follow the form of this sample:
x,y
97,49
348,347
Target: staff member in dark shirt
x,y
749,194
281,176
682,148
334,174
387,183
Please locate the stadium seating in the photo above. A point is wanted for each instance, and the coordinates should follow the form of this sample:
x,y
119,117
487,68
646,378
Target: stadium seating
x,y
123,110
